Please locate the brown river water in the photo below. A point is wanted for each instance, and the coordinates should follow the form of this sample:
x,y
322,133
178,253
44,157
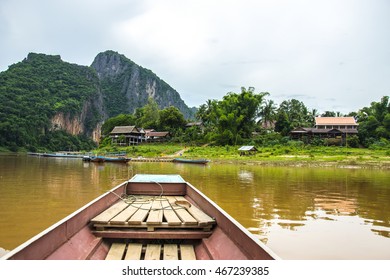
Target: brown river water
x,y
300,213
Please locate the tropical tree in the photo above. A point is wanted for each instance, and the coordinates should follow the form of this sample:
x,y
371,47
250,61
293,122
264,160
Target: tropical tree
x,y
267,112
150,114
236,115
312,116
120,120
207,114
332,114
171,119
291,114
374,122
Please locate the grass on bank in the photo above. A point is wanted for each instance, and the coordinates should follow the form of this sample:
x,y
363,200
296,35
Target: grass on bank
x,y
276,154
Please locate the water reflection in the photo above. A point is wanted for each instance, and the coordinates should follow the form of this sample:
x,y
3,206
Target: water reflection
x,y
321,205
300,213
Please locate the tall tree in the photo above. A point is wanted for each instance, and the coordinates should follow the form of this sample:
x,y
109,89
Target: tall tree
x,y
374,122
171,119
120,120
236,115
150,114
267,112
291,114
328,114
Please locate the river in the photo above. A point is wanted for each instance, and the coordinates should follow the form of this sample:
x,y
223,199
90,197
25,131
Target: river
x,y
300,213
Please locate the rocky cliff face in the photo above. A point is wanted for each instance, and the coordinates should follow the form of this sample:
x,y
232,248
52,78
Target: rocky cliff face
x,y
127,86
87,122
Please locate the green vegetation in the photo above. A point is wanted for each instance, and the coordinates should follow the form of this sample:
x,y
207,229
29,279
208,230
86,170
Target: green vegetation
x,y
232,120
149,117
32,92
291,154
40,87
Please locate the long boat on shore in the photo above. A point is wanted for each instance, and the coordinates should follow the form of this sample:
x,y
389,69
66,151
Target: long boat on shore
x,y
57,155
186,160
149,217
100,159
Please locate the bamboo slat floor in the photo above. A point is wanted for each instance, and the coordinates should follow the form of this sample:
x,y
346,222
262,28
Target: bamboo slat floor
x,y
153,212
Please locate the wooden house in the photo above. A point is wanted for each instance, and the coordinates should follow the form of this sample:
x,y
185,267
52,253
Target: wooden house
x,y
338,128
156,136
195,124
127,135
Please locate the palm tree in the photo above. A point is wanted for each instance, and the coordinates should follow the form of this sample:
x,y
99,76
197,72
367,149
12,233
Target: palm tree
x,y
267,113
312,117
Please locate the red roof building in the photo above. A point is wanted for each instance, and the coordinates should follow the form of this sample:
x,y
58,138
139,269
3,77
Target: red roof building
x,y
327,128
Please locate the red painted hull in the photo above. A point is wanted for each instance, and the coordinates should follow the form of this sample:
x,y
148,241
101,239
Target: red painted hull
x,y
74,237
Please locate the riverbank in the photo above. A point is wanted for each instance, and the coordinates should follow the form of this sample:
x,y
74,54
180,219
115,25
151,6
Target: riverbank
x,y
341,157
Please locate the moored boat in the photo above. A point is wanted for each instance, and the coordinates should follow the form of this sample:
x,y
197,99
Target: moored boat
x,y
98,159
146,217
59,155
185,160
120,159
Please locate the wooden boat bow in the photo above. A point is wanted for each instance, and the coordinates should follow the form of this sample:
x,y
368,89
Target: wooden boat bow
x,y
161,217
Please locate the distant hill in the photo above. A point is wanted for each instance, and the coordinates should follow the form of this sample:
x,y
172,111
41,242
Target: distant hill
x,y
127,86
48,103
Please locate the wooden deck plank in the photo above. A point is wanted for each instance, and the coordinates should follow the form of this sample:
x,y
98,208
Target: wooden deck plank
x,y
185,217
134,251
169,214
141,214
170,252
153,252
182,212
116,251
187,252
109,213
155,214
198,214
123,216
170,199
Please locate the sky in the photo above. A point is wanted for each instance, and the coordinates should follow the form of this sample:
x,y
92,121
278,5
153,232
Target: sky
x,y
333,55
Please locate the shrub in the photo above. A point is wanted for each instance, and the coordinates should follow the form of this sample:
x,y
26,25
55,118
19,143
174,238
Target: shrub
x,y
353,141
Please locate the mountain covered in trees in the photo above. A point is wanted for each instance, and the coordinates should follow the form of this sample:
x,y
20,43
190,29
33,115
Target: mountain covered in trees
x,y
48,103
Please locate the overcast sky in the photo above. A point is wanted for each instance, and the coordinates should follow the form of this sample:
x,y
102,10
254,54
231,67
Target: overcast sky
x,y
331,54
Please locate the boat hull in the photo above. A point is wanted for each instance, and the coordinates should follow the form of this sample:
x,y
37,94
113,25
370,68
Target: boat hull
x,y
194,161
102,159
117,159
75,237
